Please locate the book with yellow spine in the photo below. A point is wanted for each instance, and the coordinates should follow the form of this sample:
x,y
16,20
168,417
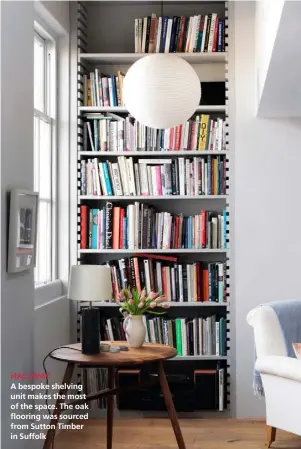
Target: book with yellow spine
x,y
204,132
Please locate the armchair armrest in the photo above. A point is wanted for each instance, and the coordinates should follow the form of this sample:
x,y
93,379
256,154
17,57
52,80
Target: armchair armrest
x,y
279,366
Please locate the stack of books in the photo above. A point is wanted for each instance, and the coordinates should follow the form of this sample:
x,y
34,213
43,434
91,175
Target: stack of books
x,y
111,132
103,90
154,177
199,33
197,336
140,226
179,282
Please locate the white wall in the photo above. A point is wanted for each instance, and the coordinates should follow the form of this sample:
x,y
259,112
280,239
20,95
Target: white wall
x,y
55,12
266,216
268,14
17,293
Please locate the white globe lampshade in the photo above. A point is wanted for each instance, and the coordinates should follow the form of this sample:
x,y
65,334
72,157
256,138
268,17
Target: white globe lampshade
x,y
161,90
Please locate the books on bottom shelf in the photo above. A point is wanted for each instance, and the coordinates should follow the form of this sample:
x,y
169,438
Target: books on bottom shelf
x,y
139,226
201,336
154,177
179,282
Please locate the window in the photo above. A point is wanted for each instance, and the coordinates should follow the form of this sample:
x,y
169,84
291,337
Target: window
x,y
45,154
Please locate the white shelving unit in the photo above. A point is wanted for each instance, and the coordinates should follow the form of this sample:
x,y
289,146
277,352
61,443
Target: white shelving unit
x,y
130,58
151,153
150,197
91,53
122,110
153,251
170,303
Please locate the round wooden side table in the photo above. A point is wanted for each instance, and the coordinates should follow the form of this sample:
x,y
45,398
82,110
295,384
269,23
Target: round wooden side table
x,y
149,352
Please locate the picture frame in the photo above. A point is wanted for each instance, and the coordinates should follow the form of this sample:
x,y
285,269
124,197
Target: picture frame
x,y
22,230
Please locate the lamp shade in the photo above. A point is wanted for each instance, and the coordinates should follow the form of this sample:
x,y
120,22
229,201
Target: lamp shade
x,y
90,283
161,90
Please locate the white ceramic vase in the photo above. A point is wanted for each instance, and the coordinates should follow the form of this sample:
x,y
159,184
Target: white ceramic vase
x,y
134,330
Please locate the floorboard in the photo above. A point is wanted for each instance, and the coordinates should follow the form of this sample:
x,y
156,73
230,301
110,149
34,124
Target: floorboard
x,y
157,434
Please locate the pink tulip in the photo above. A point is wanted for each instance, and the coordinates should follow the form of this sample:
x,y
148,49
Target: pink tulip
x,y
130,295
117,300
152,295
143,293
121,295
141,305
131,302
153,305
165,306
159,300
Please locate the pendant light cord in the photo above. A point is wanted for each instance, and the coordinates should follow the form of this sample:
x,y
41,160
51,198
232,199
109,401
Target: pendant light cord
x,y
161,8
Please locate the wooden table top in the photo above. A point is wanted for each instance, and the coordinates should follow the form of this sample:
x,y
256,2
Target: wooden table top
x,y
149,352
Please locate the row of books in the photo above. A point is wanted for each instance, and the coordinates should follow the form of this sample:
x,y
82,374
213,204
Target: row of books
x,y
155,177
180,282
197,336
199,33
140,226
111,132
103,90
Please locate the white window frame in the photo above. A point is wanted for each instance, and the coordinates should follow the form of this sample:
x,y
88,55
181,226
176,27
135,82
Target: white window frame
x,y
50,116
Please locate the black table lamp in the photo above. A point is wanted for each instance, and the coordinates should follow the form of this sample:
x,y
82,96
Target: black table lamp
x,y
90,283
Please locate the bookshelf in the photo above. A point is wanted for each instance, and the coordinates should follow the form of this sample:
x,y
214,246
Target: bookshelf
x,y
95,21
121,109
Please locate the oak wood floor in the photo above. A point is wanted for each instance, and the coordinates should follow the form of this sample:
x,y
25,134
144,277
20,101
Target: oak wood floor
x,y
157,434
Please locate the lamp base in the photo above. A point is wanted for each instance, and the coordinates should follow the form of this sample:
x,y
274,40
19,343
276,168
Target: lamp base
x,y
90,331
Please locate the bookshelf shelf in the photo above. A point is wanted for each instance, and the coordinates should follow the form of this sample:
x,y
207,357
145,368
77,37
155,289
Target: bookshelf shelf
x,y
130,58
151,153
170,303
150,197
121,109
153,251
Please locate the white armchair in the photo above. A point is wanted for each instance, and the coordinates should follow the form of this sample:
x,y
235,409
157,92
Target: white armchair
x,y
281,375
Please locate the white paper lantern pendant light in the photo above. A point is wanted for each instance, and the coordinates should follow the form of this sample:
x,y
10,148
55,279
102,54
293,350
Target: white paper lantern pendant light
x,y
161,90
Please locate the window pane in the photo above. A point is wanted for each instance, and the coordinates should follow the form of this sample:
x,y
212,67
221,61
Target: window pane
x,y
43,262
43,185
39,74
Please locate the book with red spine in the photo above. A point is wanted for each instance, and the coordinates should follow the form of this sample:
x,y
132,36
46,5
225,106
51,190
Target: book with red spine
x,y
181,34
205,279
121,227
84,212
178,137
215,35
137,274
152,34
116,227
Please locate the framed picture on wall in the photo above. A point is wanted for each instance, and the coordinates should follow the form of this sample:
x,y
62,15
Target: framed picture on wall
x,y
22,230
